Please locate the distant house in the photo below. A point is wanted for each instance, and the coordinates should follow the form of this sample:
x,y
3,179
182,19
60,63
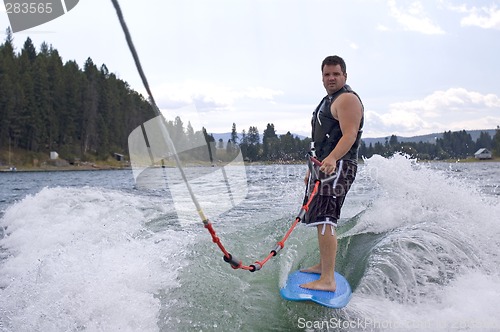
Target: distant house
x,y
483,153
119,156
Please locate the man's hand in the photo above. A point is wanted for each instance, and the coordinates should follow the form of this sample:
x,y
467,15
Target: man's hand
x,y
329,165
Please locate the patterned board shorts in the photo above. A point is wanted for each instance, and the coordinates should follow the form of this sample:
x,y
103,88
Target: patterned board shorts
x,y
327,203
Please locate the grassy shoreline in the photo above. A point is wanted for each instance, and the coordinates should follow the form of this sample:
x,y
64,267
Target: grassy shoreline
x,y
39,162
466,160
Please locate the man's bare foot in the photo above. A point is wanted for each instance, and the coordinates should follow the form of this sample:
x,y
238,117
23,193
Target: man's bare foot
x,y
320,285
313,269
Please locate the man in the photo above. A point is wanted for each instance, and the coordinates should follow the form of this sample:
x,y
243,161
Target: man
x,y
336,134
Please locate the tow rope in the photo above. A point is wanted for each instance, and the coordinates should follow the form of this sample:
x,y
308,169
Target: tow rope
x,y
235,263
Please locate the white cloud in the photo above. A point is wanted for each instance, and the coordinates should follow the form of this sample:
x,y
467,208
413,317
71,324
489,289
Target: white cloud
x,y
488,122
208,95
414,18
452,109
216,107
486,18
455,99
285,117
394,122
382,27
483,17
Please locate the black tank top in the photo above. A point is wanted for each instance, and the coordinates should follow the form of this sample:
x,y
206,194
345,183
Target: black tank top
x,y
326,131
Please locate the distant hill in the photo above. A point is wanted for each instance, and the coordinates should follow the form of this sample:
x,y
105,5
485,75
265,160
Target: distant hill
x,y
227,136
429,138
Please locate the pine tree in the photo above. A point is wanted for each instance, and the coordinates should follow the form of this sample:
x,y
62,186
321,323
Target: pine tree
x,y
496,143
234,134
70,115
484,141
8,78
253,147
269,143
29,118
88,143
288,148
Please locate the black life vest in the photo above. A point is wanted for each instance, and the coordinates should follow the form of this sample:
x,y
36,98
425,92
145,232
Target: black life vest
x,y
326,131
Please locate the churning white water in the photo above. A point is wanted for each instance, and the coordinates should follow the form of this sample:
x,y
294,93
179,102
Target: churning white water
x,y
85,251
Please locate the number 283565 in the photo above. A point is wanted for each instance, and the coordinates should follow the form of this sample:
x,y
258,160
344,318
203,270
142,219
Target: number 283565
x,y
28,8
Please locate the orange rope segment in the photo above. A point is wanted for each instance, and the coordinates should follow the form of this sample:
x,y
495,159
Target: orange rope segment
x,y
237,264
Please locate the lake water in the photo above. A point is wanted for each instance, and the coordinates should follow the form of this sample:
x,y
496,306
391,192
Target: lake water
x,y
93,251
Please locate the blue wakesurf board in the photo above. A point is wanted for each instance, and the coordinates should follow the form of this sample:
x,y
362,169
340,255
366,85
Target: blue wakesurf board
x,y
293,292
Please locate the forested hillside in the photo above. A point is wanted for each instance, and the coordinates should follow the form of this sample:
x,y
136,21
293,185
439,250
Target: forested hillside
x,y
47,105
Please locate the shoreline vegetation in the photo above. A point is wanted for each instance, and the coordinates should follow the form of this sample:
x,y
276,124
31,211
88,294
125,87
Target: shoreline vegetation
x,y
23,161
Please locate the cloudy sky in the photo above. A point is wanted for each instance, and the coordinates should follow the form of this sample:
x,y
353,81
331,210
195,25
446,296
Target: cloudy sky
x,y
420,66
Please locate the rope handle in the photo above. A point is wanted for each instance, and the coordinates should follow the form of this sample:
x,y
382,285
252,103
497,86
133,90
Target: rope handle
x,y
315,161
237,264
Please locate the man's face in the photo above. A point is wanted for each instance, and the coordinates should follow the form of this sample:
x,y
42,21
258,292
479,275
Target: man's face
x,y
333,78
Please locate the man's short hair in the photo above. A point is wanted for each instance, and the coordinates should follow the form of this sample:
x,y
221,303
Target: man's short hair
x,y
334,60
